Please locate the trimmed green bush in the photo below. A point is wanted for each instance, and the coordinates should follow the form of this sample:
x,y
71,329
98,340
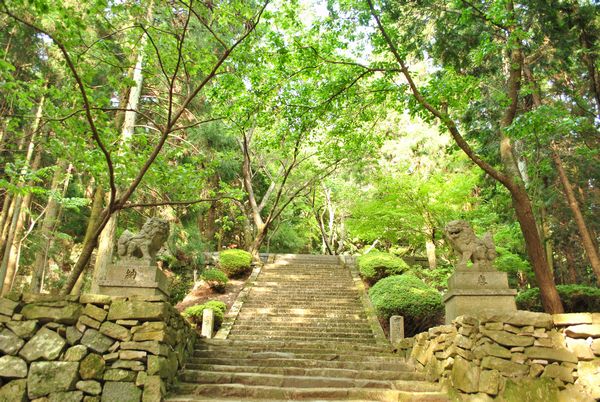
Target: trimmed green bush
x,y
216,279
408,296
575,299
194,313
235,263
377,265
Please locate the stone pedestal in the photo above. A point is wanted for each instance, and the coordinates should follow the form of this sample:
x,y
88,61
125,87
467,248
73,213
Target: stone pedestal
x,y
476,292
134,278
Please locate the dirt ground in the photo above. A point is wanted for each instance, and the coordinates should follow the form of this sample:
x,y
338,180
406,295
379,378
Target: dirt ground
x,y
201,293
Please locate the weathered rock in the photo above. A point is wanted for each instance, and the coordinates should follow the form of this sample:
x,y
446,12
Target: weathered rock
x,y
14,391
47,298
583,331
7,306
137,310
115,331
154,389
89,398
121,392
581,348
85,321
96,341
97,313
46,344
506,367
589,377
596,346
90,387
489,381
10,343
92,367
572,319
90,298
119,375
128,323
71,396
491,349
141,378
465,375
75,353
63,313
153,347
132,355
463,342
555,355
530,390
23,329
535,369
508,339
556,371
521,318
73,335
134,365
47,377
12,367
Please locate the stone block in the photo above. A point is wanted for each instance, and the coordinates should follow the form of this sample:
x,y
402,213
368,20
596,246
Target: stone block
x,y
128,323
154,389
521,318
530,390
117,391
71,396
596,347
75,353
583,331
90,298
396,329
90,387
14,391
507,339
97,313
477,302
119,375
10,343
142,282
134,365
550,354
47,377
560,372
46,344
23,329
132,355
96,341
581,348
489,381
572,319
465,375
73,335
12,367
589,377
92,367
506,367
85,321
138,310
153,347
63,313
115,331
7,306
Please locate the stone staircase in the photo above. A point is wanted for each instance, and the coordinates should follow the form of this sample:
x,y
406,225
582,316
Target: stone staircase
x,y
302,329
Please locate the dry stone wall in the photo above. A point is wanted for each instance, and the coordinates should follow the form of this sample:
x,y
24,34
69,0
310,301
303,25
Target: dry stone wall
x,y
90,348
514,356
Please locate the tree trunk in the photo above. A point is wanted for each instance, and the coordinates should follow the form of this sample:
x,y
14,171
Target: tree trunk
x,y
430,250
104,254
571,265
586,238
92,222
47,229
261,234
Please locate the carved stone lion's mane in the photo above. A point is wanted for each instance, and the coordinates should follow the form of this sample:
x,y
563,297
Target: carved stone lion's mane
x,y
468,246
146,243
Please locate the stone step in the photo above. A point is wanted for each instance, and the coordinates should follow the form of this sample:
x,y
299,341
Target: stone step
x,y
303,310
314,320
283,393
254,344
198,362
388,375
300,338
316,355
314,329
251,314
266,333
257,303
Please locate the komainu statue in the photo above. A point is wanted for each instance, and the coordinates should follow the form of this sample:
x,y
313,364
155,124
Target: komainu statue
x,y
468,246
146,243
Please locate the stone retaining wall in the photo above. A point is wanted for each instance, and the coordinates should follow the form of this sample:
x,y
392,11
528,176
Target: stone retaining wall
x,y
516,356
90,348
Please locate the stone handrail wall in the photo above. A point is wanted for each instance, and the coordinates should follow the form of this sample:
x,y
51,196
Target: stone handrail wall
x,y
90,348
514,356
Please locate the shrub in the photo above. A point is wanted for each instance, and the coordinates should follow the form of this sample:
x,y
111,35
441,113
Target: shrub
x,y
408,296
377,265
234,262
216,279
194,313
575,298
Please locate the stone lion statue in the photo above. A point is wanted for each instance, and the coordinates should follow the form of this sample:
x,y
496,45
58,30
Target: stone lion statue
x,y
146,243
468,246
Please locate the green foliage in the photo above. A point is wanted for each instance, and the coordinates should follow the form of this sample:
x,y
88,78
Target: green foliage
x,y
408,296
377,265
575,299
194,313
436,278
234,262
216,279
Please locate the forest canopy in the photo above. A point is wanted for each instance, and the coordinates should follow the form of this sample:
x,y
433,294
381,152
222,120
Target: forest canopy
x,y
335,127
